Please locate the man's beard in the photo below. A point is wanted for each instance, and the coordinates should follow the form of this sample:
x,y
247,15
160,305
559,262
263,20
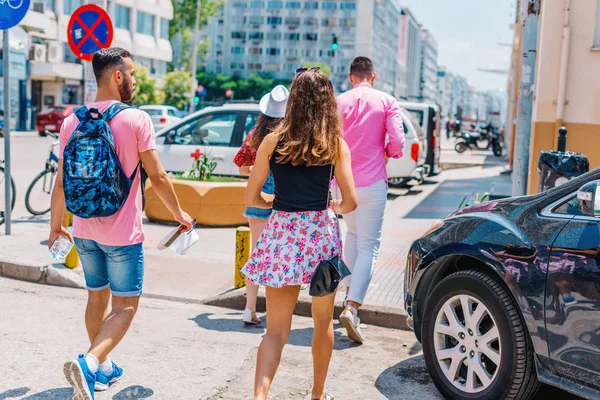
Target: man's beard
x,y
126,91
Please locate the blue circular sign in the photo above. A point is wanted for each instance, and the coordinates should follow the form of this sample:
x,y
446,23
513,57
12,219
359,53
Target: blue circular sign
x,y
12,12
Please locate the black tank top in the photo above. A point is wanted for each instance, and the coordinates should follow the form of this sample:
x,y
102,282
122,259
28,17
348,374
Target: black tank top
x,y
300,188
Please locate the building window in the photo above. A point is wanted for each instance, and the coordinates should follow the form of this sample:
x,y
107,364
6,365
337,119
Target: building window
x,y
237,50
161,68
257,4
50,5
146,63
347,22
276,4
256,36
311,5
348,5
255,51
69,56
238,20
273,51
293,5
254,66
237,65
273,67
273,35
328,22
123,17
256,20
238,35
240,4
311,37
145,23
164,28
292,36
292,21
291,52
311,22
274,20
71,5
597,36
329,5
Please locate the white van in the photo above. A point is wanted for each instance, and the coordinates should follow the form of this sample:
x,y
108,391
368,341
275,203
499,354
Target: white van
x,y
429,118
411,166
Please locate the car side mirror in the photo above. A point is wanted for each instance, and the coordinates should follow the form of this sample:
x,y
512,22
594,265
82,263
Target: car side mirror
x,y
170,137
589,199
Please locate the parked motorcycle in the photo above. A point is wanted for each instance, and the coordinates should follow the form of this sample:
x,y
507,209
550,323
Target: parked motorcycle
x,y
496,143
1,123
470,140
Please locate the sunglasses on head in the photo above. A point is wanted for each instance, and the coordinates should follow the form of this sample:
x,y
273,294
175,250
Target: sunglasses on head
x,y
300,71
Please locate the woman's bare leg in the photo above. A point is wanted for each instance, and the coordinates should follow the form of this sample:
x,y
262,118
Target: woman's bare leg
x,y
280,308
256,228
322,343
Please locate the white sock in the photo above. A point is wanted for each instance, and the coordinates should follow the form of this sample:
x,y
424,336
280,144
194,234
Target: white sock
x,y
92,362
106,367
354,310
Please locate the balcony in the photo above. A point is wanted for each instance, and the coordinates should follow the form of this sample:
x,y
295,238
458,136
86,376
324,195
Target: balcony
x,y
56,71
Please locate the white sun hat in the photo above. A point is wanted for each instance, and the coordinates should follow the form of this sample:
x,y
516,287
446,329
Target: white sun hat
x,y
273,104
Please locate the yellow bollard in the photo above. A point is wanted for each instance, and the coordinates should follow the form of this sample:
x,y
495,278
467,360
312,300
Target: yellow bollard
x,y
72,260
242,254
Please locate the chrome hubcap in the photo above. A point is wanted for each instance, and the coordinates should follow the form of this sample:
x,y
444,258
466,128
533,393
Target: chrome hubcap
x,y
467,343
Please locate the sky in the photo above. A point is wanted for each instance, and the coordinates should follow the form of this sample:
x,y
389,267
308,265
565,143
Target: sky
x,y
470,35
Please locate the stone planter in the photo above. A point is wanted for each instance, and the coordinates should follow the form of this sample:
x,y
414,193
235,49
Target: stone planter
x,y
210,203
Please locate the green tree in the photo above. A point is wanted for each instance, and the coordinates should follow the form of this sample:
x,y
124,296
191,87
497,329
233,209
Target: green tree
x,y
177,87
184,21
322,66
147,91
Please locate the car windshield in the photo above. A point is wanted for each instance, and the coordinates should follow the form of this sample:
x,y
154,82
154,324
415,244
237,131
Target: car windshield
x,y
153,111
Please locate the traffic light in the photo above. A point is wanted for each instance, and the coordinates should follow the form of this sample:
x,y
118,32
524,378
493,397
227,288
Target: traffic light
x,y
334,43
197,97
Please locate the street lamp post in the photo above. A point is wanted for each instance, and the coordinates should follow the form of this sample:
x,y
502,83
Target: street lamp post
x,y
195,56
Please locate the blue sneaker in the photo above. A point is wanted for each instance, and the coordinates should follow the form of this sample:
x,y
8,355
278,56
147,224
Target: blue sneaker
x,y
81,378
104,381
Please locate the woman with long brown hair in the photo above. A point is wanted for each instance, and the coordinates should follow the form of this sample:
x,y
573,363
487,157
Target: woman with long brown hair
x,y
304,153
272,107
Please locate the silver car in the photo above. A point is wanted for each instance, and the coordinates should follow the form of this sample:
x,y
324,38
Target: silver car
x,y
162,116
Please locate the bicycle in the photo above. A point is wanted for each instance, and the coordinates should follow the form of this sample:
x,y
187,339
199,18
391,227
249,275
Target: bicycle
x,y
46,179
8,2
2,192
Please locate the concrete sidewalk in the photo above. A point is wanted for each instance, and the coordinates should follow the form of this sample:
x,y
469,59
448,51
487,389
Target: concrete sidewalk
x,y
206,273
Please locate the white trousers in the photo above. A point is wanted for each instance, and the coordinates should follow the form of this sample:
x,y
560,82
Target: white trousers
x,y
363,238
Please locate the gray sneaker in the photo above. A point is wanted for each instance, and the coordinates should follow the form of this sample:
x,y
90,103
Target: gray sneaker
x,y
352,325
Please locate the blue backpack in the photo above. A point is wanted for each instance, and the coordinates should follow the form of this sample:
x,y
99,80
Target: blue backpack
x,y
95,184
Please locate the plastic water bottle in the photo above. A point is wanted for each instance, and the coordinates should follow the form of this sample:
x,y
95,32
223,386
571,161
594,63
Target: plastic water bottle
x,y
61,248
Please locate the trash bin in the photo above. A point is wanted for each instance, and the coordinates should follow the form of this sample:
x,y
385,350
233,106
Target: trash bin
x,y
558,167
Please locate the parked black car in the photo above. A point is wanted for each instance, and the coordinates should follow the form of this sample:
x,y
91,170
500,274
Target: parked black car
x,y
506,294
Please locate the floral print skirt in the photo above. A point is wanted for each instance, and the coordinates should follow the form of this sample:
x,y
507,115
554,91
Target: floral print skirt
x,y
291,247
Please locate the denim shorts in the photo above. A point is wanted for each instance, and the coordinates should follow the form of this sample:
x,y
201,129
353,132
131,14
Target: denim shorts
x,y
119,267
262,213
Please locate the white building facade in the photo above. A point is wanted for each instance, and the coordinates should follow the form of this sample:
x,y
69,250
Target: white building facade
x,y
277,36
429,67
56,75
410,55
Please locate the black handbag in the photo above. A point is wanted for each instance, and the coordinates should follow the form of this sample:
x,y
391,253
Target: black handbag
x,y
329,273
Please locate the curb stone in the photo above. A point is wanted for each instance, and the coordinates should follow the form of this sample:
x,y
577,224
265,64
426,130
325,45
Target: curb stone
x,y
56,275
386,317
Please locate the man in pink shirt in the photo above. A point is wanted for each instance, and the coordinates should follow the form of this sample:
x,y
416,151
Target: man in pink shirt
x,y
111,248
370,117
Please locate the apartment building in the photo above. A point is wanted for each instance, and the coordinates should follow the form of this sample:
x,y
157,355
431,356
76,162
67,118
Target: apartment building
x,y
429,67
276,36
55,74
410,55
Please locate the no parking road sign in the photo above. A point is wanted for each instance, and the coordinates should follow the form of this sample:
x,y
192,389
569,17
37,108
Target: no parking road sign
x,y
90,29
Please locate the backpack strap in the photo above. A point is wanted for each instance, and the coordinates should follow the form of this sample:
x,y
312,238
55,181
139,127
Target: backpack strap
x,y
113,110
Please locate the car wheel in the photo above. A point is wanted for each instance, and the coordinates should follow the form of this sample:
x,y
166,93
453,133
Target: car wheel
x,y
475,341
42,133
398,183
